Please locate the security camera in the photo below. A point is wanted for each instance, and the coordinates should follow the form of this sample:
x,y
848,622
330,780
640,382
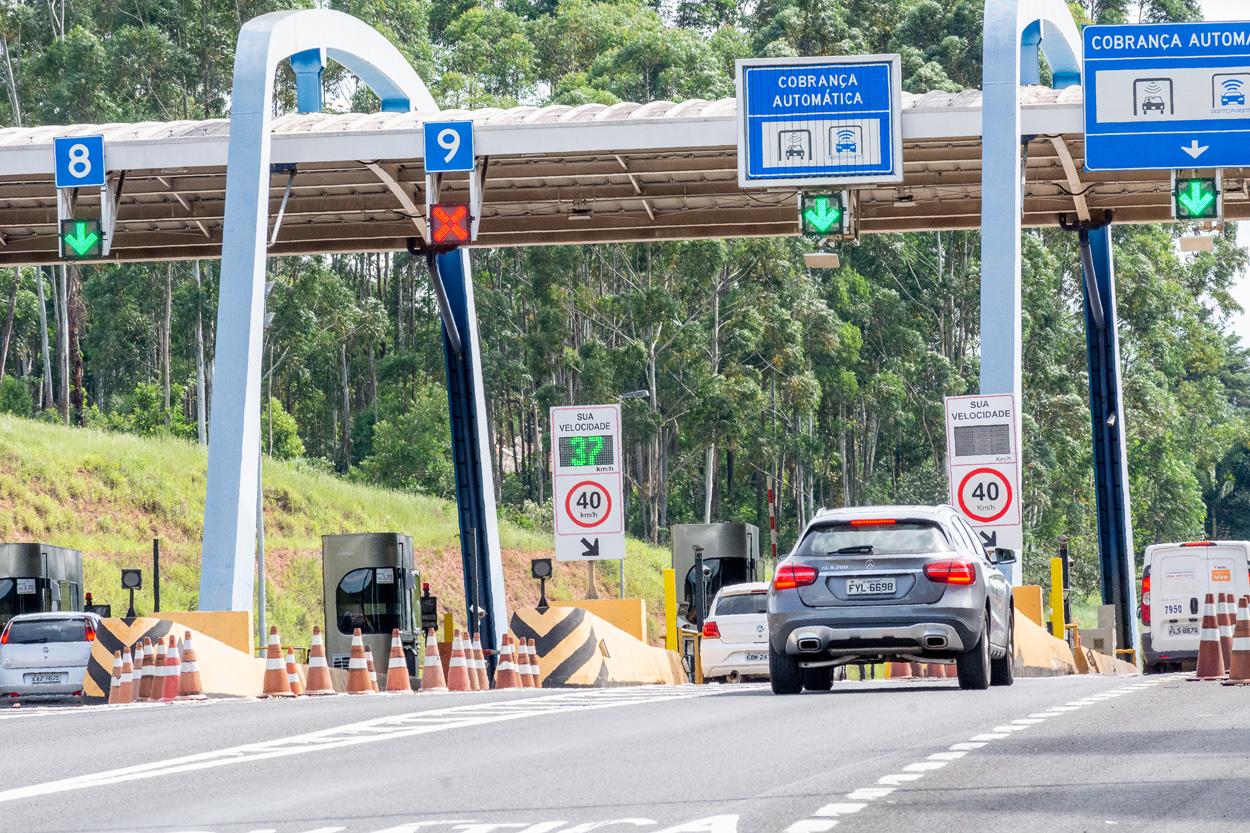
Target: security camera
x,y
707,571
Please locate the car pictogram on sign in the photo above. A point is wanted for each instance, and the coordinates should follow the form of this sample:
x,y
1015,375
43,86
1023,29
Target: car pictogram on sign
x,y
984,494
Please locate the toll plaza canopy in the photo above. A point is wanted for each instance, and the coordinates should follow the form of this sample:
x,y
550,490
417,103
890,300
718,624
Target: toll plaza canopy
x,y
557,174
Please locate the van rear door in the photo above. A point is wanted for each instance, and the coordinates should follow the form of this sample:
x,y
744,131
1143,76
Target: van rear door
x,y
1226,569
1177,586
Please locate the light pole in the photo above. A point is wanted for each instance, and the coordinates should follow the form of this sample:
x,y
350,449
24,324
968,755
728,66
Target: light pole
x,y
642,393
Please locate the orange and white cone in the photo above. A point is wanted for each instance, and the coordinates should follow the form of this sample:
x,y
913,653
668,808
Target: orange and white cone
x,y
115,682
277,684
151,672
357,667
173,672
432,678
128,676
536,671
1239,667
397,667
136,674
506,675
373,669
190,687
479,664
292,673
458,667
1210,655
1227,617
319,680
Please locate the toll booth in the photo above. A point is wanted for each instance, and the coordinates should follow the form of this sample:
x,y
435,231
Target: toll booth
x,y
731,553
39,578
369,581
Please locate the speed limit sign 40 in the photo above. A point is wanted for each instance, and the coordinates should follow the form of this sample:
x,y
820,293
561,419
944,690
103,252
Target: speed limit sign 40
x,y
985,495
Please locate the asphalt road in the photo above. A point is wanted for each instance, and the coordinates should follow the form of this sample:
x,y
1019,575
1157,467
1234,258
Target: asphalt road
x,y
1067,754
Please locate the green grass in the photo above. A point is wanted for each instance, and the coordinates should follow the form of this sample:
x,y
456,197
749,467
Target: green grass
x,y
109,495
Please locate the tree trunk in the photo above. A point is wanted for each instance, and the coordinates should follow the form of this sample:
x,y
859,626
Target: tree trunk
x,y
62,343
347,420
201,412
166,324
8,321
45,384
76,313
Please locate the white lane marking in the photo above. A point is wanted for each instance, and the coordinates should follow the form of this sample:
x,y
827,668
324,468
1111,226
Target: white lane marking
x,y
870,793
353,734
984,736
1045,715
925,766
1010,727
899,778
1028,721
812,826
846,808
948,756
967,746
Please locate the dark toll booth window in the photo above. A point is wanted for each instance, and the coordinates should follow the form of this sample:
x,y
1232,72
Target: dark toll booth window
x,y
724,572
361,601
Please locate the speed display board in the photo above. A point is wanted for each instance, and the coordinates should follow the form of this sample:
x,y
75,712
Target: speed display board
x,y
982,453
586,482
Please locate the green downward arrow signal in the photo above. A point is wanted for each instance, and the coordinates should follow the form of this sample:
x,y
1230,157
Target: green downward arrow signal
x,y
1195,199
821,215
80,240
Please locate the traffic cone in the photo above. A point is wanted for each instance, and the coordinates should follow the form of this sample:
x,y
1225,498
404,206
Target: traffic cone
x,y
900,670
128,676
158,673
189,685
136,674
1210,655
292,673
373,671
1228,620
432,678
173,672
277,684
149,670
536,671
319,680
115,682
479,664
357,668
397,668
458,668
1239,667
506,675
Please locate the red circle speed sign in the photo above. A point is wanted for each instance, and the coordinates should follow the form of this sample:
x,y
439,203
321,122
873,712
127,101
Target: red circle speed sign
x,y
588,504
984,495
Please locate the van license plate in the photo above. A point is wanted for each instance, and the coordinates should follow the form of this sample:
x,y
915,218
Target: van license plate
x,y
869,586
1182,630
45,679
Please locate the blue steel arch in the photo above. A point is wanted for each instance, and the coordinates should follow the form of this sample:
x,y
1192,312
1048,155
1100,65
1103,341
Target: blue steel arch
x,y
229,546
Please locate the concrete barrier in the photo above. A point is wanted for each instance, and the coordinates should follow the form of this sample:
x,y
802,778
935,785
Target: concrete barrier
x,y
576,648
630,615
224,670
1038,654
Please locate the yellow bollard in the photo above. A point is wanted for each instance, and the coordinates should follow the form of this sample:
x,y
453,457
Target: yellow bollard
x,y
1058,626
670,609
448,627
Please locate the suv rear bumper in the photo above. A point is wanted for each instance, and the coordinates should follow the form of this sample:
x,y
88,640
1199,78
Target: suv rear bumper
x,y
818,633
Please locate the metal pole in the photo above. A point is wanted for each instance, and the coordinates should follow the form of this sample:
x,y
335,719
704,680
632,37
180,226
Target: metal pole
x,y
1067,579
621,566
156,575
700,585
591,591
260,548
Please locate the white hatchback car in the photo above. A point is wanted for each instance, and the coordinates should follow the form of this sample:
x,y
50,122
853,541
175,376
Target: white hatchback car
x,y
735,633
46,654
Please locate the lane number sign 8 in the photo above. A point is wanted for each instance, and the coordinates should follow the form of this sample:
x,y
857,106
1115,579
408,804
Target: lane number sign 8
x,y
79,161
448,146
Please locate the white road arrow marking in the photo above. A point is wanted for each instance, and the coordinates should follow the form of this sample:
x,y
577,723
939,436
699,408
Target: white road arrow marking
x,y
1194,150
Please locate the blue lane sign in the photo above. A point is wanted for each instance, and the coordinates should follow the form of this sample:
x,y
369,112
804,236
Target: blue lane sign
x,y
1167,96
79,161
819,121
448,146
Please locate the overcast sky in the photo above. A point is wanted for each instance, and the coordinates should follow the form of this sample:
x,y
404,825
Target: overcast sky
x,y
1235,10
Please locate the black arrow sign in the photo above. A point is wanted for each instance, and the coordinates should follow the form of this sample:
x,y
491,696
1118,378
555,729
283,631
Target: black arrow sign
x,y
592,548
989,539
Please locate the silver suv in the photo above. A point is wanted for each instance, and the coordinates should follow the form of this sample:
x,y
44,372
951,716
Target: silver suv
x,y
908,583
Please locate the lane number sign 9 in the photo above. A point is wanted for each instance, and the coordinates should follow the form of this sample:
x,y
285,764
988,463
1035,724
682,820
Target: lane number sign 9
x,y
448,146
79,161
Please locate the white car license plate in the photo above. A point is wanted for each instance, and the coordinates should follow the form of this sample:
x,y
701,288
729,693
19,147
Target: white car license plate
x,y
1182,630
45,679
869,586
757,657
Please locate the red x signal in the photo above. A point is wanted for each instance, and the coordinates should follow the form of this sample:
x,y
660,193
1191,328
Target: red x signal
x,y
450,224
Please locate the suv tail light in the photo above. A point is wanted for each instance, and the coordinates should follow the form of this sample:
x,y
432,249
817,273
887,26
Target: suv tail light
x,y
951,571
790,576
1198,544
1145,598
711,630
90,631
874,522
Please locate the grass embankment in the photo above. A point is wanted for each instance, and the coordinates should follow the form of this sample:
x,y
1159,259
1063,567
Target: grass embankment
x,y
109,495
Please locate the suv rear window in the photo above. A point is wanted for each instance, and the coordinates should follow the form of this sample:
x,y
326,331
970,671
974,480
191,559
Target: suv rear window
x,y
45,631
744,604
901,537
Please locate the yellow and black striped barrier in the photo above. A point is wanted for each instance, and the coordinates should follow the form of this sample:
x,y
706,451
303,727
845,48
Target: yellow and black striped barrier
x,y
578,649
116,635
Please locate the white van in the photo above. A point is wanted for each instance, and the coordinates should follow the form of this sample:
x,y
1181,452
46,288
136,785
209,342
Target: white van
x,y
1175,583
